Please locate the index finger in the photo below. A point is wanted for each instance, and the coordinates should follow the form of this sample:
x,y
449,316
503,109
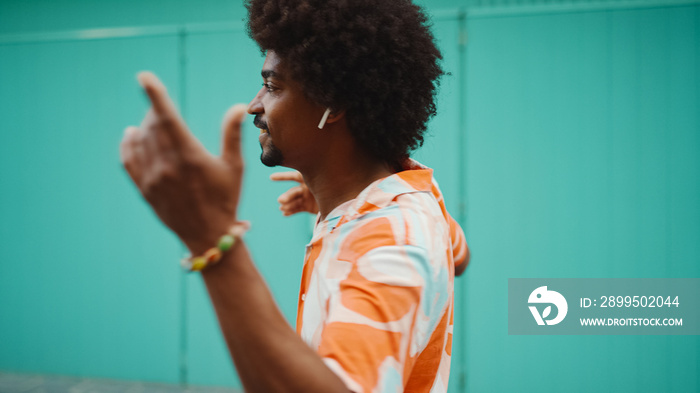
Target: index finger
x,y
157,94
163,107
287,176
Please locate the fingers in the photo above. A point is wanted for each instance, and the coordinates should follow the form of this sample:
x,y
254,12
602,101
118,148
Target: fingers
x,y
155,142
130,154
287,176
298,198
290,195
292,201
291,209
292,206
231,134
157,93
163,109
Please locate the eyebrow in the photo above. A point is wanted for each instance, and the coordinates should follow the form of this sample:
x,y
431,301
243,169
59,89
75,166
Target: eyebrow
x,y
269,73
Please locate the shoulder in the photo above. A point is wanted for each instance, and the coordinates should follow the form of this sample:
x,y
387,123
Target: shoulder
x,y
423,220
411,219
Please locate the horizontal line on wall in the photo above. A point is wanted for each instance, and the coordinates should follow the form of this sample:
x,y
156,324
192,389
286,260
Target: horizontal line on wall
x,y
220,27
436,15
447,14
539,9
121,32
88,34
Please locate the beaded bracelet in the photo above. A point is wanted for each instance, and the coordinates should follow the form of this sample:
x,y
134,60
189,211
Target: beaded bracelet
x,y
214,254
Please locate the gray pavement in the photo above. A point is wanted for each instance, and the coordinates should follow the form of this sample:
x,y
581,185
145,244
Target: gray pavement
x,y
28,383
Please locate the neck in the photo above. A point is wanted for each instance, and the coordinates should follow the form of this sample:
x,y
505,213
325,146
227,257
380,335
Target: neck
x,y
336,169
342,180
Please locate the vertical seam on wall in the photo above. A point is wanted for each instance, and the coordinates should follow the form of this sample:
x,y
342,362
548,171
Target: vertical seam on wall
x,y
610,83
461,154
182,82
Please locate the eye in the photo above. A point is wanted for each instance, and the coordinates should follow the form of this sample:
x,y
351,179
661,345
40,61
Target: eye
x,y
269,87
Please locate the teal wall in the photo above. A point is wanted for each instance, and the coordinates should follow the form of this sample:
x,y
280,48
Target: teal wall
x,y
583,160
568,145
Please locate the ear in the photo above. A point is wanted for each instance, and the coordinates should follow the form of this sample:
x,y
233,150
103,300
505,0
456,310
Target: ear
x,y
330,116
335,115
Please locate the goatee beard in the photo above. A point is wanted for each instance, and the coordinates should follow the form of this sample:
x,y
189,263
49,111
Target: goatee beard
x,y
272,157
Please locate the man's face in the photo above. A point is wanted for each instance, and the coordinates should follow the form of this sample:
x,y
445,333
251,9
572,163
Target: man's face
x,y
287,119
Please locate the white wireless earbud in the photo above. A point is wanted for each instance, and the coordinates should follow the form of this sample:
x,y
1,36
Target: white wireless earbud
x,y
324,118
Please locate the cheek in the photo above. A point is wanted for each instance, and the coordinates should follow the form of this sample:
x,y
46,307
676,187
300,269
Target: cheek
x,y
289,120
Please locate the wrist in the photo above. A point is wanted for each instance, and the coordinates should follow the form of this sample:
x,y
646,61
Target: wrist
x,y
199,238
207,251
199,247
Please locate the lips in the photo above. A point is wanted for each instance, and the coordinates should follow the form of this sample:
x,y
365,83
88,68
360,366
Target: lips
x,y
264,131
264,134
259,123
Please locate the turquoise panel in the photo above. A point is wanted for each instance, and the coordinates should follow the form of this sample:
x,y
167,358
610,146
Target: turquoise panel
x,y
89,277
31,16
441,148
442,151
223,69
583,161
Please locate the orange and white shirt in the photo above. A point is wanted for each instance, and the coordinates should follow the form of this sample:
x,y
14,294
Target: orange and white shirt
x,y
376,299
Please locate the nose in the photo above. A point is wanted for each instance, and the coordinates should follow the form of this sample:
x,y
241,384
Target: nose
x,y
255,106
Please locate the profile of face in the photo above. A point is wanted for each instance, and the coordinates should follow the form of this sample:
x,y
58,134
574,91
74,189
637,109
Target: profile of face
x,y
270,154
287,119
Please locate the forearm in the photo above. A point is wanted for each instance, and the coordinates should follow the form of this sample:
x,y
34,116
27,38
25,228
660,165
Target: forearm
x,y
268,354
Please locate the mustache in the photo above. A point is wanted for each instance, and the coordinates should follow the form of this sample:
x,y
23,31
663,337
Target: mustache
x,y
259,123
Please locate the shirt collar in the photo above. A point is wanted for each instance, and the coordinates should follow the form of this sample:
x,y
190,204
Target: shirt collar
x,y
414,177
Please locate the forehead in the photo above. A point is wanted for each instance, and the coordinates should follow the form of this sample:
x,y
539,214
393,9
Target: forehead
x,y
272,65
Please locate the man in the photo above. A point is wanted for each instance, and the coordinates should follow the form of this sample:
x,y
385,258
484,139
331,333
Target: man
x,y
347,89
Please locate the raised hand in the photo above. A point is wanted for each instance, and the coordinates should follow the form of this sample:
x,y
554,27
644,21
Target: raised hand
x,y
193,192
298,198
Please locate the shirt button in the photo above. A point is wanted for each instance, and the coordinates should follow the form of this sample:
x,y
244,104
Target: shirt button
x,y
303,297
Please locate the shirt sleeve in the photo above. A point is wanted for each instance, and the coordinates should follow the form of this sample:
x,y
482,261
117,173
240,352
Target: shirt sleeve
x,y
368,339
460,249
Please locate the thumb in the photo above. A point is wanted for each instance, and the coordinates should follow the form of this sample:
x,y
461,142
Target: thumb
x,y
231,134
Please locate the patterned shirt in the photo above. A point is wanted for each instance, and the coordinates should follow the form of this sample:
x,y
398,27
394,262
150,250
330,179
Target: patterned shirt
x,y
376,299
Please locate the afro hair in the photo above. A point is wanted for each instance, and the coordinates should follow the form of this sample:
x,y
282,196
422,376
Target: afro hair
x,y
375,59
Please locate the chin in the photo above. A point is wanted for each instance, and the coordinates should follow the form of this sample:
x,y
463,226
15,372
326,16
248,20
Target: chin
x,y
271,157
267,162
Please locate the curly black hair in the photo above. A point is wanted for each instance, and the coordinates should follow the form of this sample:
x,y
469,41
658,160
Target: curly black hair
x,y
377,60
